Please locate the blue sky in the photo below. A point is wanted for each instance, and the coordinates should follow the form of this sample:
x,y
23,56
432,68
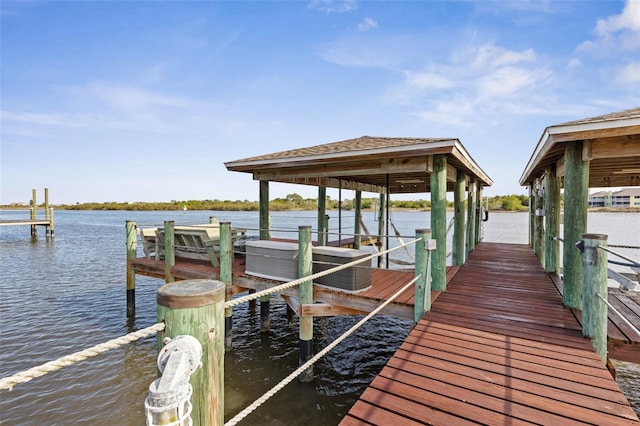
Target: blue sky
x,y
145,101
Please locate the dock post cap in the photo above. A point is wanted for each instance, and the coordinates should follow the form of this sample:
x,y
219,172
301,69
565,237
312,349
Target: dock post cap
x,y
190,293
594,236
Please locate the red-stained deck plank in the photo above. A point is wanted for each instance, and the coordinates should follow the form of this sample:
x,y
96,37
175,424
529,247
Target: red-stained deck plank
x,y
498,347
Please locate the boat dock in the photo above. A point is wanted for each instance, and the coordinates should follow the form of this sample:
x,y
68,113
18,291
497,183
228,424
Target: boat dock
x,y
33,220
497,347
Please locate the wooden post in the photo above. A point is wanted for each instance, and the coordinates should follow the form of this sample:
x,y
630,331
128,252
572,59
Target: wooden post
x,y
471,223
265,320
46,203
576,199
356,224
594,281
478,229
226,276
538,225
305,293
552,220
322,212
51,226
34,211
196,308
532,212
459,219
131,273
422,299
382,218
265,225
169,249
439,221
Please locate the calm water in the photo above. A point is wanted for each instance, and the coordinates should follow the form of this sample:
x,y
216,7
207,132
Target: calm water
x,y
65,295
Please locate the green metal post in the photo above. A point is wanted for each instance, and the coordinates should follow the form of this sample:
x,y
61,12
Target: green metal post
x,y
130,226
459,219
576,199
196,308
305,293
594,282
439,221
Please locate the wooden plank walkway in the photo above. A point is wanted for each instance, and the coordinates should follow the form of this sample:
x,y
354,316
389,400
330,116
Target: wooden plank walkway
x,y
497,348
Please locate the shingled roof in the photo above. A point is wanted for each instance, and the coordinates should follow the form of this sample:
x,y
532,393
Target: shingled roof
x,y
612,149
366,163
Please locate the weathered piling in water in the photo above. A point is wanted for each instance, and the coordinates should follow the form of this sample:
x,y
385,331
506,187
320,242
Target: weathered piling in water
x,y
305,293
552,220
439,221
169,249
130,226
576,201
459,219
422,299
34,211
594,282
226,276
196,308
322,216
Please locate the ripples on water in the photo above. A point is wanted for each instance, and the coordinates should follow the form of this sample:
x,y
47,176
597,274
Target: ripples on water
x,y
63,296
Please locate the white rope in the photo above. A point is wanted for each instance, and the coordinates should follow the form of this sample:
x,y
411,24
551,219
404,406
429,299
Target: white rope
x,y
41,370
626,321
244,413
294,283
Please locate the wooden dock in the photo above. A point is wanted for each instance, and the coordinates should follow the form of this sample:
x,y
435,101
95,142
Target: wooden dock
x,y
497,348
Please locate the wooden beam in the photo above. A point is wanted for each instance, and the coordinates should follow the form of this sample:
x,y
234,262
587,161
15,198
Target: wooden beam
x,y
333,183
452,173
328,310
623,147
293,303
367,167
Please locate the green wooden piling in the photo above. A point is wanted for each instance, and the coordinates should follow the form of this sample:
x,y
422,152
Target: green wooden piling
x,y
471,221
357,239
169,250
51,223
422,299
305,294
322,212
576,198
594,281
226,276
34,212
532,212
196,308
478,227
538,225
459,219
382,219
46,203
130,226
265,225
439,221
265,319
552,220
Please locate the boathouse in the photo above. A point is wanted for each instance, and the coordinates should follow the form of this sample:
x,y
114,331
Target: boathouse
x,y
385,166
596,152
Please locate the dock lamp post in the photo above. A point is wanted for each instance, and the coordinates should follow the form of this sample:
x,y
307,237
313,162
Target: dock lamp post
x,y
169,399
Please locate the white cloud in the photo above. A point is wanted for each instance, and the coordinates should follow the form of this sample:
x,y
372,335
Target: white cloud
x,y
629,74
126,97
615,33
367,24
507,81
428,80
491,56
333,6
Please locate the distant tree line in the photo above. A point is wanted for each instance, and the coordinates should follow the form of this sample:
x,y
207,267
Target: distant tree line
x,y
290,202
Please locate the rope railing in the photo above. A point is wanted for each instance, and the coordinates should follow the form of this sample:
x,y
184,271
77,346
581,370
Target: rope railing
x,y
625,320
265,397
294,283
41,370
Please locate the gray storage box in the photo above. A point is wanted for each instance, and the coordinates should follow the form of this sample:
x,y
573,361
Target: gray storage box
x,y
355,278
275,260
